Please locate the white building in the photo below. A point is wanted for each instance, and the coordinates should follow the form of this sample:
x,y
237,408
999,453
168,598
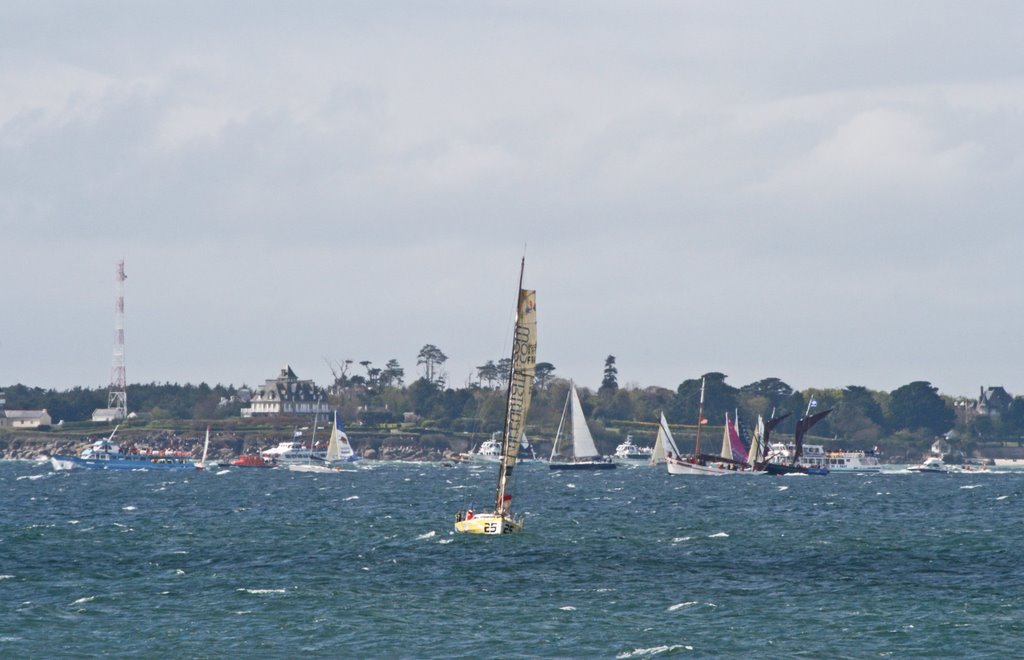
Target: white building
x,y
25,419
287,395
107,415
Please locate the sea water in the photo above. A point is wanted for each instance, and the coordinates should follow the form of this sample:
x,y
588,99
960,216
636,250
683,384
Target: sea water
x,y
625,563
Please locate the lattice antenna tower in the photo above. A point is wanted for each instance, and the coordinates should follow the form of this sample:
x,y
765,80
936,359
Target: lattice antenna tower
x,y
117,399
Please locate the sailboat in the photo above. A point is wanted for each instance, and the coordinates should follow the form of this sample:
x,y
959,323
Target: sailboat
x,y
658,451
338,451
708,465
202,465
575,449
517,404
760,450
784,465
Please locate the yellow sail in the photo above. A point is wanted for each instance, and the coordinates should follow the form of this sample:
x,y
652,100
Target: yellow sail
x,y
524,362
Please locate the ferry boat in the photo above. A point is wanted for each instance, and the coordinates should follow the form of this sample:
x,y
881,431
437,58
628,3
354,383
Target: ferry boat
x,y
107,455
490,450
816,457
628,452
293,452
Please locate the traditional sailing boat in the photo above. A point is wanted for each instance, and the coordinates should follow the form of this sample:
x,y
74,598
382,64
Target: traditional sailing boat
x,y
575,449
760,452
704,464
517,403
793,466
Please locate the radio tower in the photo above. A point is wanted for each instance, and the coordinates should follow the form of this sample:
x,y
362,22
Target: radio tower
x,y
117,400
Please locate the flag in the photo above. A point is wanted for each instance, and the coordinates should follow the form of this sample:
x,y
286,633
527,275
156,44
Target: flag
x,y
703,420
814,402
297,434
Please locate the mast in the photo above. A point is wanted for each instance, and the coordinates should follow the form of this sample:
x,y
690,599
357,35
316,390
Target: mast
x,y
510,445
700,416
312,439
561,422
206,445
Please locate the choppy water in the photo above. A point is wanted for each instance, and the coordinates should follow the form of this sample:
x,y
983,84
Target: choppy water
x,y
626,563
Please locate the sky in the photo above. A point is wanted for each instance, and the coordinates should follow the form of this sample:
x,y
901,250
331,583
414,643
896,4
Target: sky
x,y
829,193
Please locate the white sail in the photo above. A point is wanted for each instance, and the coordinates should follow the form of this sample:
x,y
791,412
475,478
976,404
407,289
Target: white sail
x,y
665,436
756,451
726,443
658,453
206,446
338,447
582,442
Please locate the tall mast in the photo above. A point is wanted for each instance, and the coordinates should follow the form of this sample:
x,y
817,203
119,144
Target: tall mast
x,y
117,397
504,469
700,416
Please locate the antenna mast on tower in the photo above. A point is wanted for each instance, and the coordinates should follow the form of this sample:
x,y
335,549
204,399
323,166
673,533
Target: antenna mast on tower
x,y
117,399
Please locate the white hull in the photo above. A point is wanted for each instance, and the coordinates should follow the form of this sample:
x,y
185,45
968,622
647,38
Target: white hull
x,y
676,466
815,456
313,467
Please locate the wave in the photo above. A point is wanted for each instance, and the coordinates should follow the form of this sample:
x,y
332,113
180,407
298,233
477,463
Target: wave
x,y
719,535
679,606
428,535
262,591
654,650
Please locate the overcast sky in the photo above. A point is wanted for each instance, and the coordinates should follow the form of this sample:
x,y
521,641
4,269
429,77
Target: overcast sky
x,y
825,192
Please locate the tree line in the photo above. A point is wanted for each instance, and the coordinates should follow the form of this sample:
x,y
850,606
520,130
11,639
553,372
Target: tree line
x,y
379,395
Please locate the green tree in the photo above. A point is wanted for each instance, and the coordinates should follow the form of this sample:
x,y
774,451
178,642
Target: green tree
x,y
543,373
432,359
610,382
918,405
504,372
719,398
393,374
487,373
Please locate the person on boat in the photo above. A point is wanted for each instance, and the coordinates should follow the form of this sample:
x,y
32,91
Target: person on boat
x,y
469,514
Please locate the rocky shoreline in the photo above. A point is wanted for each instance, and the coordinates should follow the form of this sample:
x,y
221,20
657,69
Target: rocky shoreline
x,y
228,446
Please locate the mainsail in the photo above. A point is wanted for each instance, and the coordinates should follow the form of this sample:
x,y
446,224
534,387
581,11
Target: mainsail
x,y
582,442
667,442
524,362
802,427
338,447
658,453
756,450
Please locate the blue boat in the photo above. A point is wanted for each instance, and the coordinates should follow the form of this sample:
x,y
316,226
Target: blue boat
x,y
107,455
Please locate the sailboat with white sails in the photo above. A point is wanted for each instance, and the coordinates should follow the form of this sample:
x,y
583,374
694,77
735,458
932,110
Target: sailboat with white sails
x,y
338,451
202,464
517,404
574,449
